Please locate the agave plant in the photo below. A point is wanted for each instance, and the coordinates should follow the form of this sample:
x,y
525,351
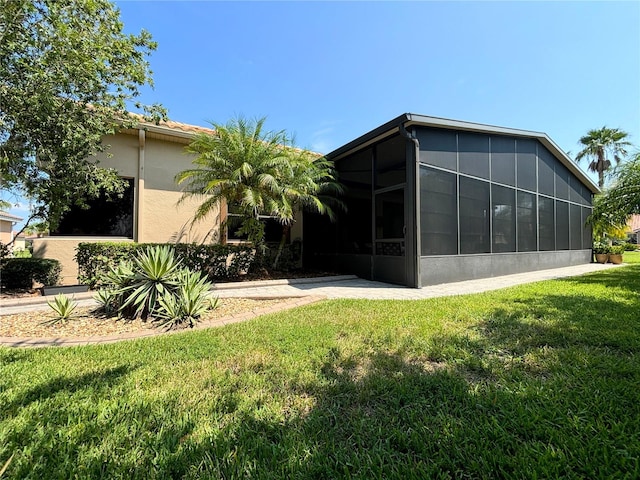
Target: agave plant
x,y
107,302
63,307
154,273
185,306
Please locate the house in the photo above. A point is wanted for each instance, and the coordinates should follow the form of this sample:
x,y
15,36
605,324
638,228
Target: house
x,y
431,200
148,157
7,221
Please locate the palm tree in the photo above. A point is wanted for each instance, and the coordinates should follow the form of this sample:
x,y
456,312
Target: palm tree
x,y
598,144
257,172
237,164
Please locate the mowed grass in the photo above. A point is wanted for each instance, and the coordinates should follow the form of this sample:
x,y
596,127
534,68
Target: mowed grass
x,y
537,381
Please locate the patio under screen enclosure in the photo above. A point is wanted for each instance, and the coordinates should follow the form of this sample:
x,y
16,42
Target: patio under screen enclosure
x,y
430,200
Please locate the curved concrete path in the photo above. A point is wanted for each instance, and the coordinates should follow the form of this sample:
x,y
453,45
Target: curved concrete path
x,y
300,292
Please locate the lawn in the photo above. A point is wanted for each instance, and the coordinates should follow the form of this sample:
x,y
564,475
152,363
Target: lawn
x,y
536,381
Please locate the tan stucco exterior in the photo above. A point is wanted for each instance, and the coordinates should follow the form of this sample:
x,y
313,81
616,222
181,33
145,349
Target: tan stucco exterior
x,y
152,156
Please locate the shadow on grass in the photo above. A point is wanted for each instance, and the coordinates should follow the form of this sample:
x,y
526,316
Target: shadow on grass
x,y
545,386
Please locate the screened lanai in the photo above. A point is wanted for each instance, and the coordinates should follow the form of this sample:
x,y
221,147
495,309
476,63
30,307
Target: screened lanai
x,y
430,200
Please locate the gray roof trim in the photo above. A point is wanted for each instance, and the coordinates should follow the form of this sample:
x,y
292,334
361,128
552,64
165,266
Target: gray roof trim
x,y
409,119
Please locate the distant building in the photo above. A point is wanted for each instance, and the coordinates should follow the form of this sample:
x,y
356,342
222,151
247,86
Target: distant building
x,y
7,222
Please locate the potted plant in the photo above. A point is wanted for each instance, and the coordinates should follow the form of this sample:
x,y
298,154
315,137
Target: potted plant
x,y
615,256
601,250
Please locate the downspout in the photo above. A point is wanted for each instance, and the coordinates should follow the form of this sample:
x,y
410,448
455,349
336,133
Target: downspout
x,y
417,279
137,228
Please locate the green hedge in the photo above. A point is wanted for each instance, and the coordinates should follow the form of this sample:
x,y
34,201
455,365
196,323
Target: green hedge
x,y
94,259
22,272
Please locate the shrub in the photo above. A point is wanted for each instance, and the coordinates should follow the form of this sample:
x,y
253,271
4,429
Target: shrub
x,y
629,247
601,248
22,272
217,262
617,249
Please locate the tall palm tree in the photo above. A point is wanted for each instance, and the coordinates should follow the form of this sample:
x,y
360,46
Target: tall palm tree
x,y
598,144
258,172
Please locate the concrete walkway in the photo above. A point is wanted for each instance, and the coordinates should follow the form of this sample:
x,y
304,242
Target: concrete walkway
x,y
301,292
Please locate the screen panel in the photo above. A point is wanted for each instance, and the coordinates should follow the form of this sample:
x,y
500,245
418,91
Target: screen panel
x,y
503,210
473,154
474,216
438,212
438,147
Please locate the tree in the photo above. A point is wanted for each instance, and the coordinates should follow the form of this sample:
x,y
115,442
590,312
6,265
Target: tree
x,y
258,173
598,144
614,207
67,75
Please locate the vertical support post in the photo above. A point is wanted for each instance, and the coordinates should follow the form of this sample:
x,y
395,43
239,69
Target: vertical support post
x,y
139,193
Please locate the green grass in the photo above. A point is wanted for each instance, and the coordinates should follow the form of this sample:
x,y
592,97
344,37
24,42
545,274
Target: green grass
x,y
536,381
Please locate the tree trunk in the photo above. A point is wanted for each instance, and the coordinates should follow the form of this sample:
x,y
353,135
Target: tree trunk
x,y
285,233
600,168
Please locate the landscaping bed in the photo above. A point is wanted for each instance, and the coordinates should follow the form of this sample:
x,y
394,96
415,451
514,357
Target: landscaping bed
x,y
86,324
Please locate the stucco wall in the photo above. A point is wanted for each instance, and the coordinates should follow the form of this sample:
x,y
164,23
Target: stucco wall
x,y
5,231
158,218
63,249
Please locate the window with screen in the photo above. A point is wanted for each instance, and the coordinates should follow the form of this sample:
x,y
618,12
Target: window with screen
x,y
473,154
474,216
526,164
575,226
438,212
438,147
391,162
503,160
527,222
503,209
546,223
562,225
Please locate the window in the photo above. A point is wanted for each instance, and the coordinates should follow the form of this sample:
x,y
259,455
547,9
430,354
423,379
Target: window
x,y
104,217
503,160
526,164
438,147
474,154
546,215
503,209
438,212
527,223
474,216
272,227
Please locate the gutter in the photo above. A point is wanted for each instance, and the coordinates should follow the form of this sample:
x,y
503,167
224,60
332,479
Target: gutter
x,y
416,203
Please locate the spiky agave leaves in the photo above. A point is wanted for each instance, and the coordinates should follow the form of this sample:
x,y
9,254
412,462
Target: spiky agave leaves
x,y
156,272
185,306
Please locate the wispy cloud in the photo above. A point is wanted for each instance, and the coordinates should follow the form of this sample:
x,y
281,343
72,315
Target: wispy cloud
x,y
322,139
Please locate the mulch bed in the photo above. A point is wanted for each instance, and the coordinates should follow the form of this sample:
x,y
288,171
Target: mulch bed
x,y
86,324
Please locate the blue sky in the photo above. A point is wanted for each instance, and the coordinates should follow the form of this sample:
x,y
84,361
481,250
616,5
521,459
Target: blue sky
x,y
331,71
